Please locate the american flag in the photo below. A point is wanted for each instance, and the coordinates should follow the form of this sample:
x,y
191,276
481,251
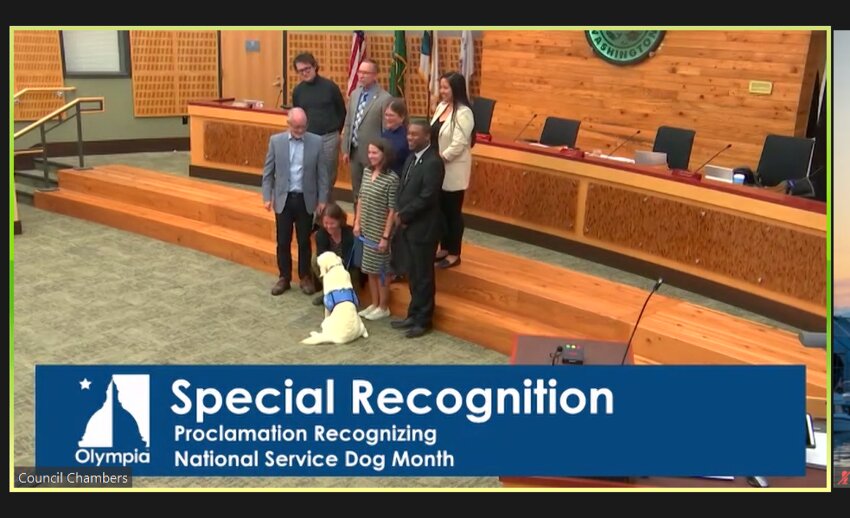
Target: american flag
x,y
358,52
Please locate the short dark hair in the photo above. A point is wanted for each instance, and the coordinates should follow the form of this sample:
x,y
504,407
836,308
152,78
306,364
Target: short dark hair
x,y
422,123
373,62
305,57
399,108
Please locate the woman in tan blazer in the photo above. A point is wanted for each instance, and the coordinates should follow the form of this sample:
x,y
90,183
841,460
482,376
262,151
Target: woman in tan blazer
x,y
452,129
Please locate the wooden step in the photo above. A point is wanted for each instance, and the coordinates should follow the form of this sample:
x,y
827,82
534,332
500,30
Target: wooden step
x,y
215,240
488,299
570,309
172,179
484,325
241,211
587,307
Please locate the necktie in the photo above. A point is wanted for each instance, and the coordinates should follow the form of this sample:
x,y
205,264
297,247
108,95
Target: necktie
x,y
358,117
407,171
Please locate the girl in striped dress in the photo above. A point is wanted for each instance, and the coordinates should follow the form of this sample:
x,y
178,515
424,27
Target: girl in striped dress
x,y
373,222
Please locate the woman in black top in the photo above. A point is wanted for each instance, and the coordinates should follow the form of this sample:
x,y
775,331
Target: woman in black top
x,y
336,236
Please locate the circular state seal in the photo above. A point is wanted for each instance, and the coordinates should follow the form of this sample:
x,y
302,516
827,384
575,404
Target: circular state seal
x,y
624,47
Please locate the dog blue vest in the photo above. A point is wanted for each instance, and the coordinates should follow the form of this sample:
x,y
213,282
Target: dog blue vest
x,y
339,296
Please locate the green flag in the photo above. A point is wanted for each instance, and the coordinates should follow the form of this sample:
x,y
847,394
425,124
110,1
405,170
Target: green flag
x,y
399,65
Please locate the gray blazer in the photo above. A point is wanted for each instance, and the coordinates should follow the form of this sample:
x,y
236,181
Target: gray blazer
x,y
372,123
316,183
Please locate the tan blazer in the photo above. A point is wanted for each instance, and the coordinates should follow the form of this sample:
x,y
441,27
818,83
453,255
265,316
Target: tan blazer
x,y
454,140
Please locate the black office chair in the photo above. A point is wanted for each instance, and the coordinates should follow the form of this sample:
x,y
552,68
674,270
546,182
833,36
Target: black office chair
x,y
784,158
482,111
559,132
677,143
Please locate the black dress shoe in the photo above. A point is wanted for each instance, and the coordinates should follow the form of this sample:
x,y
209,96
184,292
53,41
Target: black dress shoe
x,y
319,299
402,324
416,332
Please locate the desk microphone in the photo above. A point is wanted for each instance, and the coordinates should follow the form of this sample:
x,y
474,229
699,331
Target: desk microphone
x,y
658,284
527,124
279,85
635,134
712,158
557,354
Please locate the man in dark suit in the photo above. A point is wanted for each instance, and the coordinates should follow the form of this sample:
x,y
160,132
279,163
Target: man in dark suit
x,y
296,181
418,224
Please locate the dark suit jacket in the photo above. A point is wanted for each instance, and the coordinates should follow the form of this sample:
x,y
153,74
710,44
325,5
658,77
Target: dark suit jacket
x,y
418,198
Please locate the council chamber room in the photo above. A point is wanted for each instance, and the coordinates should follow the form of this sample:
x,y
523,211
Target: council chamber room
x,y
579,169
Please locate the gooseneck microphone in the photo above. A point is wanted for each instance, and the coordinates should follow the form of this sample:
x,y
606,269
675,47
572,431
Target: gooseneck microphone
x,y
658,284
713,157
527,124
633,135
557,354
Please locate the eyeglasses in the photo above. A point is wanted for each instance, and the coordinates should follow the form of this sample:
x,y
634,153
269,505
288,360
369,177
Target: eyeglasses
x,y
304,70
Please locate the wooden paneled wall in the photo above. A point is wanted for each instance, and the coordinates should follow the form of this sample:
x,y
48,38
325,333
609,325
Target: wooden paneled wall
x,y
171,68
38,63
332,50
251,75
696,79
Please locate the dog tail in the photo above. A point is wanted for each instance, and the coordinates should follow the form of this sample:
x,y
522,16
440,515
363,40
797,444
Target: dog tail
x,y
315,338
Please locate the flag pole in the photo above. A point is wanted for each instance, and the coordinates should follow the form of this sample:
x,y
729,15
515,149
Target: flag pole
x,y
428,89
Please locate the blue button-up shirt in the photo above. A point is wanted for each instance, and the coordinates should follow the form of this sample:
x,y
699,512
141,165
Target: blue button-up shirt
x,y
296,164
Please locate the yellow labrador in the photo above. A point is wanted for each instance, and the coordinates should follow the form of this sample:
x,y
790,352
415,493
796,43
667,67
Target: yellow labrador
x,y
342,324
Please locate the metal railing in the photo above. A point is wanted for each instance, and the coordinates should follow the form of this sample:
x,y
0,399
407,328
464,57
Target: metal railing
x,y
77,105
60,91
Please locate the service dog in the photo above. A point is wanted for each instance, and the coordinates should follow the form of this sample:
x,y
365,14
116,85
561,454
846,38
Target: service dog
x,y
342,324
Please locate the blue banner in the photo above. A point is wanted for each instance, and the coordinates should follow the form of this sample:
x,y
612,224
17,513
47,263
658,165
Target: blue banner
x,y
423,420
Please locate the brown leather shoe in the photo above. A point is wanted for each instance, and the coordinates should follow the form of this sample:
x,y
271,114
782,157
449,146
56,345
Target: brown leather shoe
x,y
308,287
281,286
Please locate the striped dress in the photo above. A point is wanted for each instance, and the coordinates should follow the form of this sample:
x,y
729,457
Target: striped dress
x,y
376,199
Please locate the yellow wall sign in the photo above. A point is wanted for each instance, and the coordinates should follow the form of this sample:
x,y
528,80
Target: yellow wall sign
x,y
761,87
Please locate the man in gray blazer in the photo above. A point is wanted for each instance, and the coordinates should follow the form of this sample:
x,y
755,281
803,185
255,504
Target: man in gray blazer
x,y
296,182
363,121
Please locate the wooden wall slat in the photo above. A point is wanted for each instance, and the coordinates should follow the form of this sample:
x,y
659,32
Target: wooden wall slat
x,y
171,68
696,79
38,63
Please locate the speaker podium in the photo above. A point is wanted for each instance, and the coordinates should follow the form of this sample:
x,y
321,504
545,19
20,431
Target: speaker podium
x,y
538,350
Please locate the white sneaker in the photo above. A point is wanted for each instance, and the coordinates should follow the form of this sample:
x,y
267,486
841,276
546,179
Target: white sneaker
x,y
368,310
378,314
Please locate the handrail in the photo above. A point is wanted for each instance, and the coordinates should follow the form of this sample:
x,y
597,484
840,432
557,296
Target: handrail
x,y
77,106
59,111
45,89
